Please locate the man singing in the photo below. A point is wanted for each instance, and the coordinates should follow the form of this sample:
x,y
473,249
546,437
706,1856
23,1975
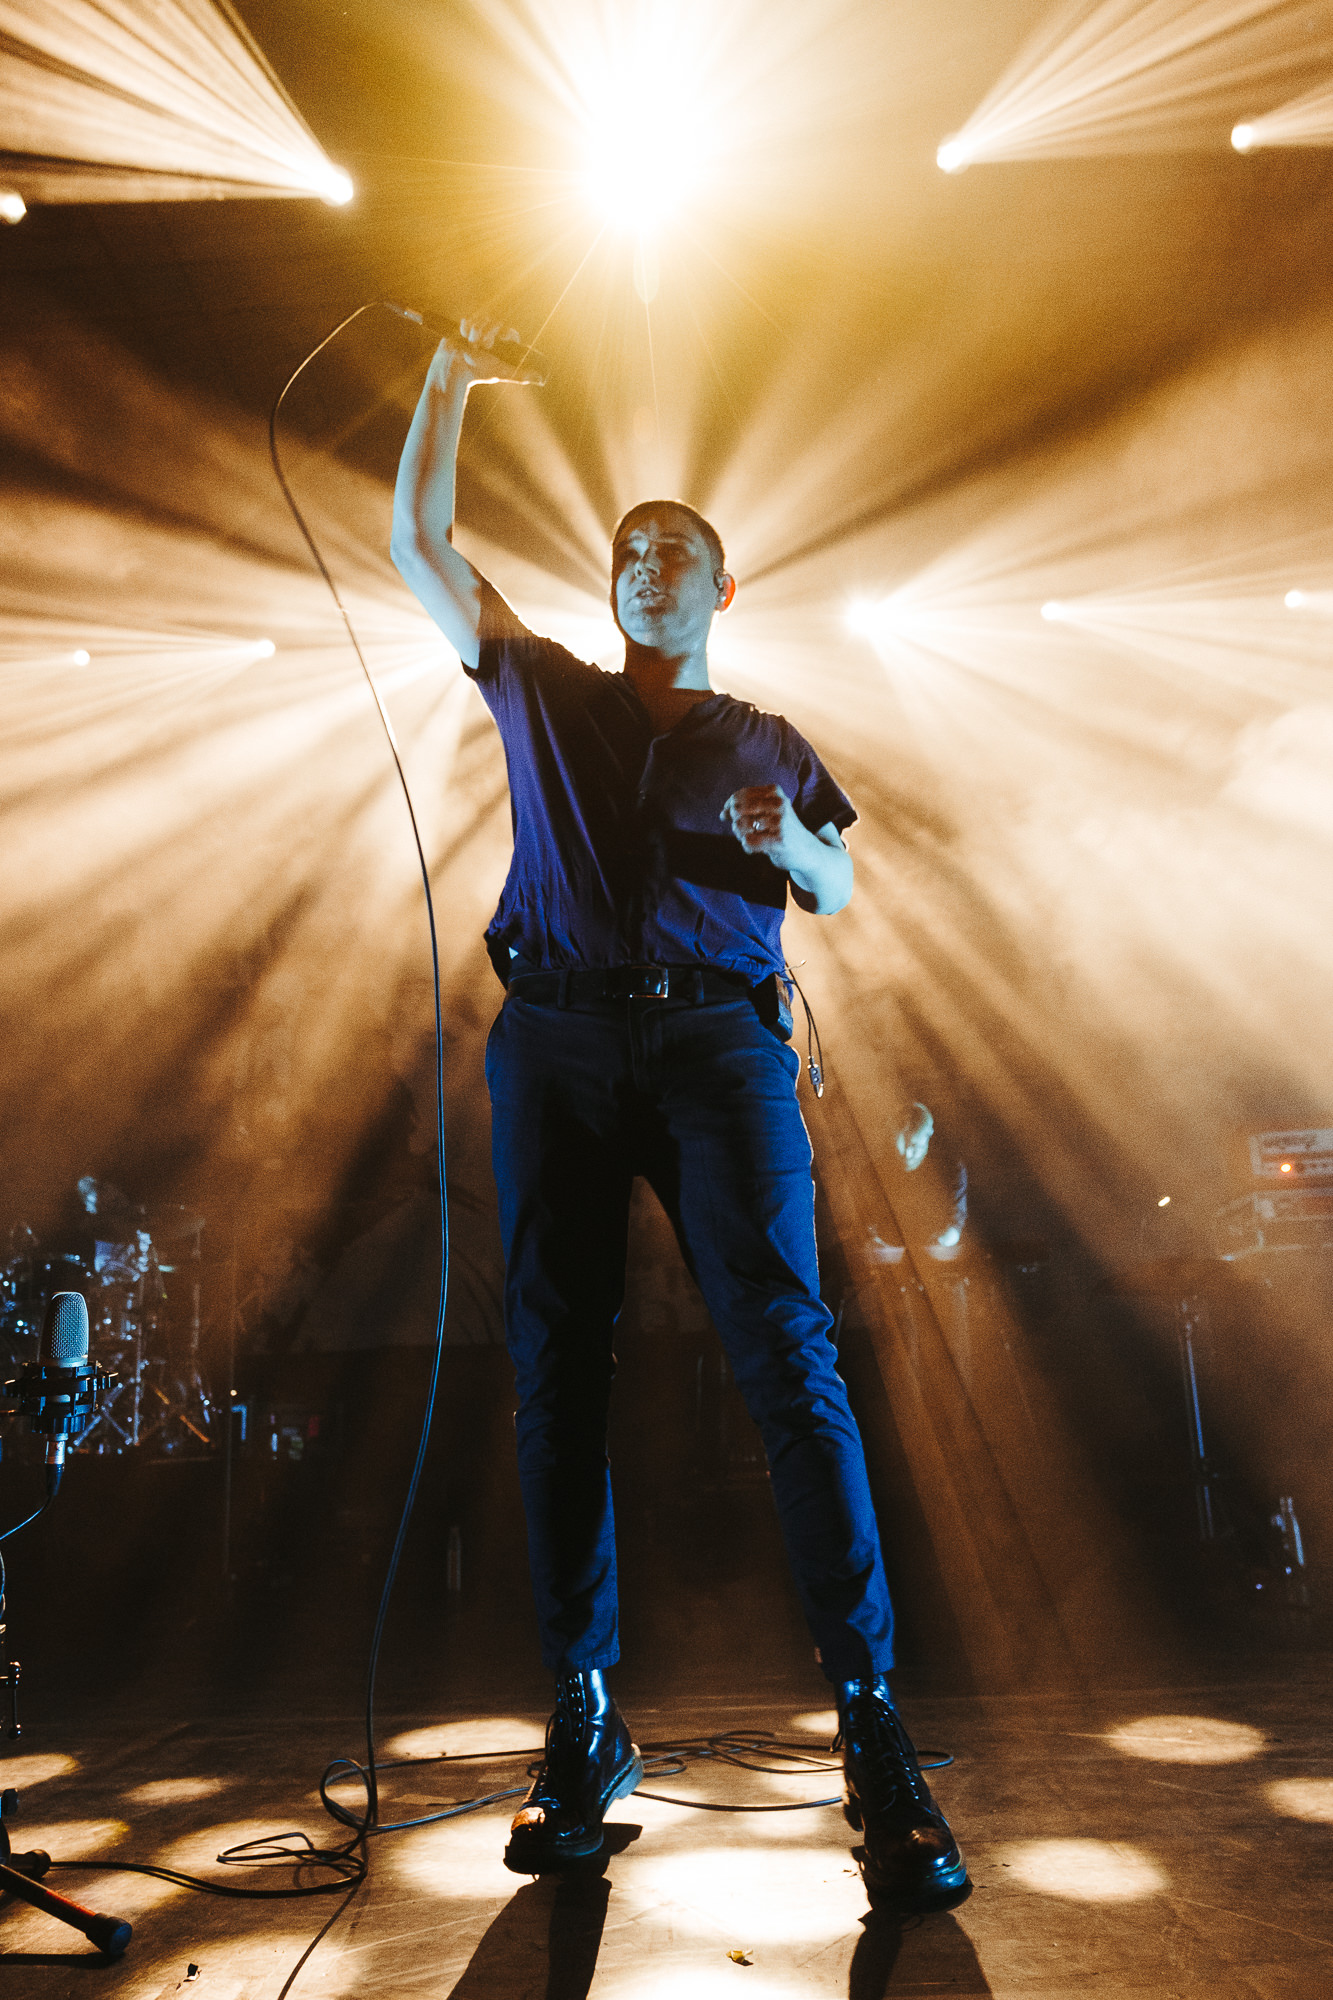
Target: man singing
x,y
657,825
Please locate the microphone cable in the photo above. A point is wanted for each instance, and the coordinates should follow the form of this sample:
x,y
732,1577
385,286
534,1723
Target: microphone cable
x,y
349,1863
362,1824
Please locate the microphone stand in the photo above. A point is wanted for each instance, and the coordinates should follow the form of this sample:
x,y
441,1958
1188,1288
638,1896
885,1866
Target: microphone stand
x,y
57,1396
20,1876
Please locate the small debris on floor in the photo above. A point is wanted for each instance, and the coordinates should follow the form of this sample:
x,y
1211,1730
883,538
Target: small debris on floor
x,y
741,1956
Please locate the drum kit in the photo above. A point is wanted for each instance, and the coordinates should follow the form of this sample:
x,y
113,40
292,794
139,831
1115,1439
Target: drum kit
x,y
140,1273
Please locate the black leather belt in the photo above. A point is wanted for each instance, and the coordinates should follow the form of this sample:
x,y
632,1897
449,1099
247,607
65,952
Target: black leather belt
x,y
696,983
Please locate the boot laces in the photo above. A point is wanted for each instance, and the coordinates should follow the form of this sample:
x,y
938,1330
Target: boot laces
x,y
883,1752
567,1726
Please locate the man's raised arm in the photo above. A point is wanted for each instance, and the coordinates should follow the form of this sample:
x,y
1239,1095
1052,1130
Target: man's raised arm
x,y
444,582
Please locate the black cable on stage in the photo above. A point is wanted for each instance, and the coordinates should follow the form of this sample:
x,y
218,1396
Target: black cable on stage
x,y
661,1760
350,1861
367,1772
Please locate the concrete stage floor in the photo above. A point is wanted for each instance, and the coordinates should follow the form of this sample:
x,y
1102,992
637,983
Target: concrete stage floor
x,y
1158,1841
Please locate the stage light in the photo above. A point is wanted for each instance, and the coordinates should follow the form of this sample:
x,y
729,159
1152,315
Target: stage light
x,y
1165,1202
1084,1871
264,649
1285,1168
761,1892
152,103
75,1839
1302,1798
335,187
647,139
175,1791
864,616
1131,76
37,1767
82,658
13,207
465,1739
1053,610
1294,599
817,1722
1187,1739
1302,121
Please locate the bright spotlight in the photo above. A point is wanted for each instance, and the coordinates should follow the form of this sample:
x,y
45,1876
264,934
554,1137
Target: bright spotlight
x,y
13,207
1302,1798
1294,599
1165,1202
648,143
335,187
264,649
1243,137
1053,610
1187,1739
82,658
1085,1871
952,156
863,616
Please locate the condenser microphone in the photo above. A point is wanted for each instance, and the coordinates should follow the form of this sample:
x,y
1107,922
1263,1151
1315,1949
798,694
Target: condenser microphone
x,y
58,1392
62,1351
64,1337
512,352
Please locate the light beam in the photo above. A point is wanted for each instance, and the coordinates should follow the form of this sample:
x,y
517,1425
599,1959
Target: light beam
x,y
151,99
1305,121
1123,76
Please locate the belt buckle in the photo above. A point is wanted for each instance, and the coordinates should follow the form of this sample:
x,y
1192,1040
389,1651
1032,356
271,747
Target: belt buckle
x,y
650,982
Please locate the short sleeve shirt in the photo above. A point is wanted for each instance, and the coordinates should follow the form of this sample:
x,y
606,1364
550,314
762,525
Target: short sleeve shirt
x,y
620,857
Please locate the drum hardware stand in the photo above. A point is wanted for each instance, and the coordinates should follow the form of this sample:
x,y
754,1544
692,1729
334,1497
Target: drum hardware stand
x,y
189,1404
129,1389
184,1400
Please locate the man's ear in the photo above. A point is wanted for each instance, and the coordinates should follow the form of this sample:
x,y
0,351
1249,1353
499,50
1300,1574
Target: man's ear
x,y
726,589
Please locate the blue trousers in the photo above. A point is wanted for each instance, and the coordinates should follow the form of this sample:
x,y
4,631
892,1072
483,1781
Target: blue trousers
x,y
700,1100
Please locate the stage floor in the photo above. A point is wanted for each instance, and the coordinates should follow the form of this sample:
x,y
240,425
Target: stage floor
x,y
1157,1842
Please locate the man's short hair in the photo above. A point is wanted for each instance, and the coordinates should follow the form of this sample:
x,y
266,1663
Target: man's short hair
x,y
706,528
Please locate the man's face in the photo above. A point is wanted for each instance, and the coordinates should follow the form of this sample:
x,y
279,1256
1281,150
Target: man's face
x,y
664,588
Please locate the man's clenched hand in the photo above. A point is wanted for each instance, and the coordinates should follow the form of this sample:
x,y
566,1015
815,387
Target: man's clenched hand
x,y
764,821
468,357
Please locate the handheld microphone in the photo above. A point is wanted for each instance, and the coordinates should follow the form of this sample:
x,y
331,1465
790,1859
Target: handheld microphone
x,y
512,352
58,1392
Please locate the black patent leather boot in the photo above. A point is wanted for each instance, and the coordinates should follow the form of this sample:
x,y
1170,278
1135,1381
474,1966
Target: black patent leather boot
x,y
911,1857
589,1762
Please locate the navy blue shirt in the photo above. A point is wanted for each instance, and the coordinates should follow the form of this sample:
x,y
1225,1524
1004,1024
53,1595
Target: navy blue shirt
x,y
620,857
